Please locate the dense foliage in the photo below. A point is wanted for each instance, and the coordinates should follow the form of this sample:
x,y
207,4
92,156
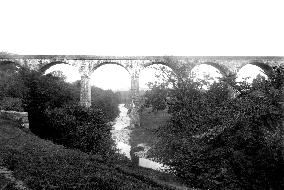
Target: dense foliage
x,y
156,98
215,142
107,101
81,128
54,111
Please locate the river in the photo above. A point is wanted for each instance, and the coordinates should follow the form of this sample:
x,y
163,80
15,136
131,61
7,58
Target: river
x,y
121,134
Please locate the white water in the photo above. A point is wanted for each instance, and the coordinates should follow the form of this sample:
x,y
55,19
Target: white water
x,y
121,134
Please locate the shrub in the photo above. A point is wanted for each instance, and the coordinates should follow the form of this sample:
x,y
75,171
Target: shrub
x,y
54,113
107,101
81,128
214,142
45,92
13,104
156,98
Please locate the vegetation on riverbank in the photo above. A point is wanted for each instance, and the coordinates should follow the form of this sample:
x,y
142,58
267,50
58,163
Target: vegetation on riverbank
x,y
54,111
215,142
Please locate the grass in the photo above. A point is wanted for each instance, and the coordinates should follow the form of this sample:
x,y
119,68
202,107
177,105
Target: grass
x,y
40,164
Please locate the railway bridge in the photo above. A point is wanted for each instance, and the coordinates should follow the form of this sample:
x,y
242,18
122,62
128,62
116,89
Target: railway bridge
x,y
87,64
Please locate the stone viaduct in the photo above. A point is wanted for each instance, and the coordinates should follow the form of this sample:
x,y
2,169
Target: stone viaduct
x,y
134,64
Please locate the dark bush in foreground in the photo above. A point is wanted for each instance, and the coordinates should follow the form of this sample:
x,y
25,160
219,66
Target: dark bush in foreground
x,y
54,113
45,92
81,128
214,142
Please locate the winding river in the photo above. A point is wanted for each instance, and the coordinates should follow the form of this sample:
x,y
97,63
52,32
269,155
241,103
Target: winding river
x,y
121,134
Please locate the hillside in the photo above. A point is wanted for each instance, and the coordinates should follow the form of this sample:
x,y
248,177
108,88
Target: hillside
x,y
40,164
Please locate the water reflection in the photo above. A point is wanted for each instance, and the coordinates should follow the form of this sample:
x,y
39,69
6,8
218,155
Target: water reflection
x,y
121,135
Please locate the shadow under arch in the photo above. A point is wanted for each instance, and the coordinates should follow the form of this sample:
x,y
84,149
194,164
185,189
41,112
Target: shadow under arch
x,y
46,67
172,66
109,63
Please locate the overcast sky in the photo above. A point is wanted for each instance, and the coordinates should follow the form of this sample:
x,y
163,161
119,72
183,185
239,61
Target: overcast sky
x,y
142,27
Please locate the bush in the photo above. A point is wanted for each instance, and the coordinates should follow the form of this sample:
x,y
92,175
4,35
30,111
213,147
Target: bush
x,y
11,104
45,92
81,128
12,85
214,142
107,101
156,98
54,112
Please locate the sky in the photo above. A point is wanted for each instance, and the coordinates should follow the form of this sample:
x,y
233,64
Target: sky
x,y
142,27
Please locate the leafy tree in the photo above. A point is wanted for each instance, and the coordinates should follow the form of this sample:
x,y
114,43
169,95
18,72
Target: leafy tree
x,y
107,101
58,74
157,96
12,88
54,111
81,128
45,92
215,142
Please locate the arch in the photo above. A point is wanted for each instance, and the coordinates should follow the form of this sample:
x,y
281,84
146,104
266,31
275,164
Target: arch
x,y
109,63
221,68
173,67
47,66
110,75
70,72
207,74
144,76
252,70
265,67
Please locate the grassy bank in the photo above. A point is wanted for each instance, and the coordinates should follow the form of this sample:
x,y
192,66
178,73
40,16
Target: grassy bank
x,y
40,164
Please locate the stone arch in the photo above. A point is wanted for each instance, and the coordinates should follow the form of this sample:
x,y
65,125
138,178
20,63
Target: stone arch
x,y
144,77
173,67
221,68
47,66
109,63
265,67
112,75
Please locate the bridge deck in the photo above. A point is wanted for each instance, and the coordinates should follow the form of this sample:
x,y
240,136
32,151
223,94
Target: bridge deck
x,y
94,57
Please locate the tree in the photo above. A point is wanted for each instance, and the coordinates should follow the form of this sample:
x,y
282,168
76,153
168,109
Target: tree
x,y
215,142
58,74
157,96
107,101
